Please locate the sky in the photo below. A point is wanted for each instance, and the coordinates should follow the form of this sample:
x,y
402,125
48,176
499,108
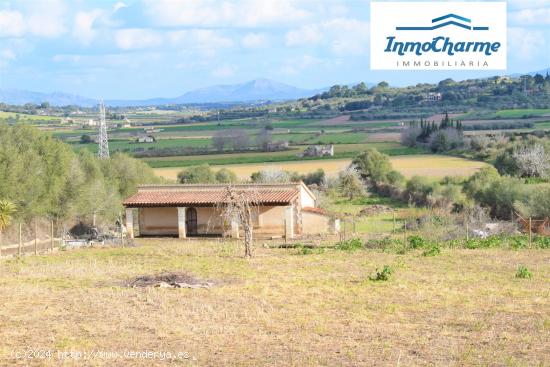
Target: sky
x,y
163,48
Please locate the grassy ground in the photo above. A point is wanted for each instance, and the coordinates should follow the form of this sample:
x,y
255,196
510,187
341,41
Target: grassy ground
x,y
424,165
281,308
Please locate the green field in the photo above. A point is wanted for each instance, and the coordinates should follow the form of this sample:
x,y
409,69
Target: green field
x,y
519,113
28,118
341,151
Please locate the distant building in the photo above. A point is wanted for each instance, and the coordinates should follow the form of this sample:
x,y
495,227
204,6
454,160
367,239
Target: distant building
x,y
319,151
433,97
276,146
146,139
89,123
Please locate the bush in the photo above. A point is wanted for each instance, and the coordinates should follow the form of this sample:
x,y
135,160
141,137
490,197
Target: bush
x,y
383,275
350,245
523,273
542,242
417,242
434,250
475,243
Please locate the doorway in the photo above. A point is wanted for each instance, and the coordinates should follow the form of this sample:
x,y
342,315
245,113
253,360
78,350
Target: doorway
x,y
191,221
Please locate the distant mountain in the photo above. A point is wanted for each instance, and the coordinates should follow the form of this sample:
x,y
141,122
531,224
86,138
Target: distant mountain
x,y
254,90
20,97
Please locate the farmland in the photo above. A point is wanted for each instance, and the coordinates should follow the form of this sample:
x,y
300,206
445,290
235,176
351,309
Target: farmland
x,y
464,307
408,165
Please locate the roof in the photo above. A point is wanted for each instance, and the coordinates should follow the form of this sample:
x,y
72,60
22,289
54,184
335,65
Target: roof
x,y
209,195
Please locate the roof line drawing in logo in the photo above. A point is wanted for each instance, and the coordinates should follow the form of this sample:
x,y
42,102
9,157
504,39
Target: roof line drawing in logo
x,y
457,21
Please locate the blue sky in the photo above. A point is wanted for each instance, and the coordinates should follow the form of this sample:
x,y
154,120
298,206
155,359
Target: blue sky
x,y
149,48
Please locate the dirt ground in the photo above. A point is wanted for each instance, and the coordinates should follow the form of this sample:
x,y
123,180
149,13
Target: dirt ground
x,y
281,308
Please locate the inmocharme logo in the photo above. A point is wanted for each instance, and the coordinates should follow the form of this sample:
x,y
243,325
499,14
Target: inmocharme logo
x,y
438,36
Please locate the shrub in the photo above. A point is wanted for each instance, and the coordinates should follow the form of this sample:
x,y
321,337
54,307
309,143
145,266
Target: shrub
x,y
350,245
542,242
434,250
383,275
417,242
523,272
493,241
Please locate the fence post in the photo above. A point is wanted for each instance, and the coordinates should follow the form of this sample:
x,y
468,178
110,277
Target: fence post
x,y
20,240
394,221
51,236
467,230
530,233
35,238
404,232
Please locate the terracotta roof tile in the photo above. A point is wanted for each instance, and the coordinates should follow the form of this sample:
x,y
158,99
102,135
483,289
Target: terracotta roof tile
x,y
207,195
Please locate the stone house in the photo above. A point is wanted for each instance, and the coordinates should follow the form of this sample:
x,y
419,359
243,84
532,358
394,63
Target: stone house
x,y
196,210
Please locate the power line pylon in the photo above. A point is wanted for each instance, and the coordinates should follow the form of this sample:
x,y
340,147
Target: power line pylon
x,y
103,140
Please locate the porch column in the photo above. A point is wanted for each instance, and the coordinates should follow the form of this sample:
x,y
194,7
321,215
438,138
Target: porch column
x,y
130,222
234,228
289,221
336,226
181,222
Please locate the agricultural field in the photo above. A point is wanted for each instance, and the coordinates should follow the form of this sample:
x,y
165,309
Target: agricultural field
x,y
282,307
25,118
427,165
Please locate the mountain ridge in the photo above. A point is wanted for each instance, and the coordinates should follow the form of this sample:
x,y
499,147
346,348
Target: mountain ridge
x,y
249,91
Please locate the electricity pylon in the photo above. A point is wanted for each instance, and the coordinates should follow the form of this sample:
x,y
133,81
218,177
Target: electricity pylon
x,y
103,140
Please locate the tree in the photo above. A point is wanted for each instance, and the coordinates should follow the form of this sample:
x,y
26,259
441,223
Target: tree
x,y
241,206
226,176
219,140
373,166
7,209
45,105
197,175
85,139
263,139
349,184
533,161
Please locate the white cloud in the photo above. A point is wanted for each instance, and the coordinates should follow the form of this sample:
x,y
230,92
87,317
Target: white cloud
x,y
46,18
223,71
137,38
341,35
527,4
254,40
6,56
296,65
83,29
525,43
11,24
540,16
119,6
241,13
305,35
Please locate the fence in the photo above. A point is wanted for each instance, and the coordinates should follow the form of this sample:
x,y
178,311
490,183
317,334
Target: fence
x,y
437,226
35,245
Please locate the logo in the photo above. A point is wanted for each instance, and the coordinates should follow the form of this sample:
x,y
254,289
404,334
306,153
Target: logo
x,y
438,35
456,23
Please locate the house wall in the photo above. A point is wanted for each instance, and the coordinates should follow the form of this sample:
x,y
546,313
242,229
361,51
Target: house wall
x,y
314,223
306,200
268,221
158,221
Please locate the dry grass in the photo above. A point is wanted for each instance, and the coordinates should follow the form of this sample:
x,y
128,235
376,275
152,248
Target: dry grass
x,y
464,307
409,165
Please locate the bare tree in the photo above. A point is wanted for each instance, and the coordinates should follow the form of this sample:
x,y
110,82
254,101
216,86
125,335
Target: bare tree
x,y
219,140
241,206
533,161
